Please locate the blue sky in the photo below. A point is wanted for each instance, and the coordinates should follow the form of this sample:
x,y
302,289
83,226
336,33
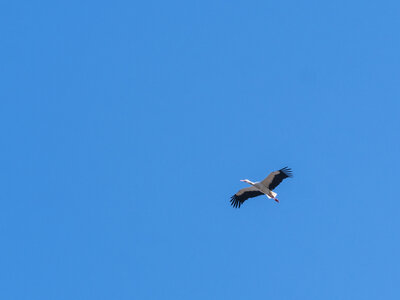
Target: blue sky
x,y
126,126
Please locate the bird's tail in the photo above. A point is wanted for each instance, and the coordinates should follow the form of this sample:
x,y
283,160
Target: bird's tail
x,y
273,194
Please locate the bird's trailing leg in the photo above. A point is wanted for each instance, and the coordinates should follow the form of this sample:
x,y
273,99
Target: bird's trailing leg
x,y
276,199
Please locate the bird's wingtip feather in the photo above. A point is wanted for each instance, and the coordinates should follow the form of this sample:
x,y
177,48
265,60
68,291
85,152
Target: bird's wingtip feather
x,y
235,202
288,171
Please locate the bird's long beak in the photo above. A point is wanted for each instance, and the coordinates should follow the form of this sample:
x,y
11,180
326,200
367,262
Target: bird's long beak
x,y
242,180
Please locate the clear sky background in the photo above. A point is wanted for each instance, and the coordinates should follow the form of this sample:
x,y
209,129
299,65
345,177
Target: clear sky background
x,y
127,125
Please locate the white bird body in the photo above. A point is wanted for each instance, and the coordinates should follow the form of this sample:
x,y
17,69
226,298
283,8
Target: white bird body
x,y
262,188
259,188
270,194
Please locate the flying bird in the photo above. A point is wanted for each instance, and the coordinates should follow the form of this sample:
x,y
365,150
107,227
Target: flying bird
x,y
264,187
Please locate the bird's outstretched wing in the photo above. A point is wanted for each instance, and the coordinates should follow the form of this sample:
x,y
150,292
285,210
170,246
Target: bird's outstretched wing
x,y
275,178
243,195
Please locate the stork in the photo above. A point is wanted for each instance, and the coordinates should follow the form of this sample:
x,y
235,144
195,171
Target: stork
x,y
264,187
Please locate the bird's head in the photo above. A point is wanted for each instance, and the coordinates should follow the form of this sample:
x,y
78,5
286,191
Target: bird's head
x,y
245,180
